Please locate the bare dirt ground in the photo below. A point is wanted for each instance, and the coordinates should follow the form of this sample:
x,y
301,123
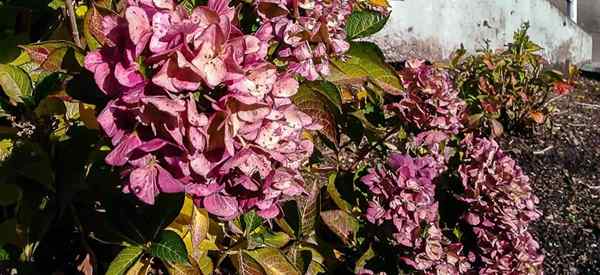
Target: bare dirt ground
x,y
564,166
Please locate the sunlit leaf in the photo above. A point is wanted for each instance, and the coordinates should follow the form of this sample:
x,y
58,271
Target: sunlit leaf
x,y
309,209
126,258
15,83
251,221
276,240
190,267
362,261
273,262
141,267
245,264
365,63
53,56
364,23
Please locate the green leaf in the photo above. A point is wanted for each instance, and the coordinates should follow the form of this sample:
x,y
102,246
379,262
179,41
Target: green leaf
x,y
169,247
10,194
245,264
57,4
273,262
15,83
341,223
4,256
126,258
366,63
315,105
251,221
363,23
329,91
275,240
141,222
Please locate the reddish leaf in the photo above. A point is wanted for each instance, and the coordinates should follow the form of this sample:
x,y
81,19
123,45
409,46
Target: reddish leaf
x,y
538,117
316,106
341,223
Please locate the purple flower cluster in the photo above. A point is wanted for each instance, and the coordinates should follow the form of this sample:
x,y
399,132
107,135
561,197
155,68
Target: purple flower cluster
x,y
501,206
197,108
308,32
430,101
405,196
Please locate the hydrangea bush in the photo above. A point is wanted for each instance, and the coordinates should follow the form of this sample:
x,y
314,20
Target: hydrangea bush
x,y
250,137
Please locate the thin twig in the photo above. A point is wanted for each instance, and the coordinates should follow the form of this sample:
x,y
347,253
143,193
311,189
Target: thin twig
x,y
553,99
541,152
73,20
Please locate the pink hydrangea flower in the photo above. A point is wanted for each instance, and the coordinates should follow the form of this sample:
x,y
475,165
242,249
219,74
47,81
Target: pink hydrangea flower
x,y
501,207
234,148
310,32
403,194
430,101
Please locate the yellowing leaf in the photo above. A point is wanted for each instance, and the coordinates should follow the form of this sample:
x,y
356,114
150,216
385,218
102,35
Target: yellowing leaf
x,y
87,114
273,261
379,3
126,258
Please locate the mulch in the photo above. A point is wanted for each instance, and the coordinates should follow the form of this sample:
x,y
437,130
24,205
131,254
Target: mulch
x,y
563,163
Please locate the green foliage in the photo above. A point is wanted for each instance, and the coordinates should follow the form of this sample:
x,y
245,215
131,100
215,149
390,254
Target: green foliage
x,y
169,247
364,23
16,83
365,63
510,88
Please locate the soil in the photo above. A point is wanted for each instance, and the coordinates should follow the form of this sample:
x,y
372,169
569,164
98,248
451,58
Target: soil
x,y
563,162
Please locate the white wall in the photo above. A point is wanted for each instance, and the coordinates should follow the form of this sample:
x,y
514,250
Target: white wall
x,y
433,29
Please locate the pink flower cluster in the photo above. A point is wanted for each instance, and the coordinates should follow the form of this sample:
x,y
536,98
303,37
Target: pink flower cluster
x,y
501,206
430,101
196,108
405,196
308,32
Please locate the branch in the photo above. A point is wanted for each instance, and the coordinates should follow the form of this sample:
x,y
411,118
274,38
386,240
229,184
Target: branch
x,y
73,21
364,152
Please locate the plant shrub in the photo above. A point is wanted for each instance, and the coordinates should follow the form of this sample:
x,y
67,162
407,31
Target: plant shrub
x,y
509,88
257,137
